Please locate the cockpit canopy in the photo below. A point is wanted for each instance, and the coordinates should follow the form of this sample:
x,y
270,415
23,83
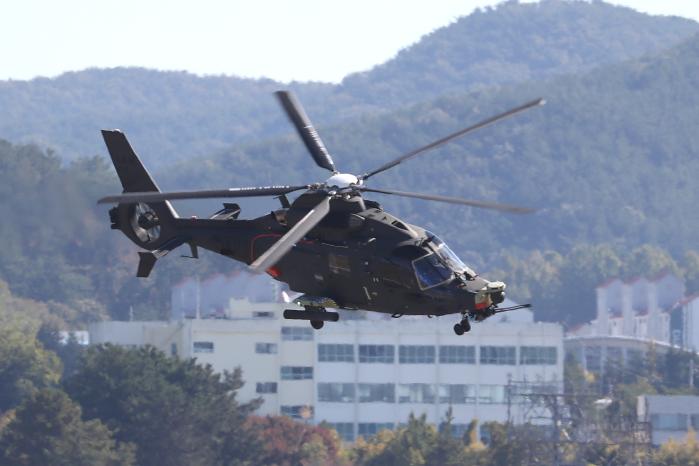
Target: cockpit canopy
x,y
439,265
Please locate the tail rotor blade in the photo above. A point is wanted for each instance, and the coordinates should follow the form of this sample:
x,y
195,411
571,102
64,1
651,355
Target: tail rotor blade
x,y
305,128
455,200
286,242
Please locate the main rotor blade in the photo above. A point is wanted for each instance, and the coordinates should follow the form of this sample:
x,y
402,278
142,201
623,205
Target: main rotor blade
x,y
305,128
286,242
456,200
452,136
132,198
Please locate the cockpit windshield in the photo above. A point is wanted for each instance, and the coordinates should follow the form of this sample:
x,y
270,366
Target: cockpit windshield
x,y
430,271
448,257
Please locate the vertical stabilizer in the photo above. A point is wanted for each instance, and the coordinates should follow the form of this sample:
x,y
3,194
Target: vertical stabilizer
x,y
133,175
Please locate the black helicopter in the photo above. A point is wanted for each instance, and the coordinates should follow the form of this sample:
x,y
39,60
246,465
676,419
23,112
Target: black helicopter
x,y
337,248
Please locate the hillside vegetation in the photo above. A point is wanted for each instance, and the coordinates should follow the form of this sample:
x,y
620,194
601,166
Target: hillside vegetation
x,y
610,162
176,115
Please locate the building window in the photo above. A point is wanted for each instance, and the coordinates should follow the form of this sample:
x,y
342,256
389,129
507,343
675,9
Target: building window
x,y
266,387
593,358
263,315
500,355
298,412
457,354
173,349
695,421
203,347
669,421
416,354
491,394
297,372
457,394
365,429
416,393
297,333
344,429
376,353
377,393
538,355
266,348
336,392
335,353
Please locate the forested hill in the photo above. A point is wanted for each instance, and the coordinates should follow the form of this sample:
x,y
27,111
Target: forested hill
x,y
517,42
175,115
611,158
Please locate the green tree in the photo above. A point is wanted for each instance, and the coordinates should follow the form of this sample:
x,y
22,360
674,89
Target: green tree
x,y
411,446
366,450
176,412
25,365
690,266
648,260
47,429
449,450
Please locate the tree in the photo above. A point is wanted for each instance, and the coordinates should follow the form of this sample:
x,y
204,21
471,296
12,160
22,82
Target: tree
x,y
449,450
673,453
291,443
25,365
648,260
176,412
691,271
48,430
366,450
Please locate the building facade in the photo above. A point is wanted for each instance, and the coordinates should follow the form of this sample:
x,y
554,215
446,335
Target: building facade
x,y
640,308
669,416
361,376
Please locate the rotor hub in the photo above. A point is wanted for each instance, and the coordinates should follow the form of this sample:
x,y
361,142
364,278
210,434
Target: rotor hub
x,y
342,181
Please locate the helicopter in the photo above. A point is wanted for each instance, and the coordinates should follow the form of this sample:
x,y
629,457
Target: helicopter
x,y
336,248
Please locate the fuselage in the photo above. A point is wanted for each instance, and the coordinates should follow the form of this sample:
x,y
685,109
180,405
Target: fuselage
x,y
359,256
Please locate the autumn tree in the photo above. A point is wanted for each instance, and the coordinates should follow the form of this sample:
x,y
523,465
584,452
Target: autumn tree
x,y
291,443
674,453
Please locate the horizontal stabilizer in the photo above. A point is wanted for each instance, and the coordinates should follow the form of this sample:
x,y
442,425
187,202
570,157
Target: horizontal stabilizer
x,y
145,264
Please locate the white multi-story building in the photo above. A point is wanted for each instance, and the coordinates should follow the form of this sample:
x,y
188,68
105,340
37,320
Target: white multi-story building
x,y
669,416
363,375
639,308
634,316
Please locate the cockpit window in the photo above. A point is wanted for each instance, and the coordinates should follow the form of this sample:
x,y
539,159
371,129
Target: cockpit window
x,y
430,271
447,256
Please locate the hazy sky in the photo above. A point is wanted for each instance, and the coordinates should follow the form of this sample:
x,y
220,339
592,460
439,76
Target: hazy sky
x,y
321,40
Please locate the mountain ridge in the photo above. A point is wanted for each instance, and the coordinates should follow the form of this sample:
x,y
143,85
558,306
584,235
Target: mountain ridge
x,y
177,115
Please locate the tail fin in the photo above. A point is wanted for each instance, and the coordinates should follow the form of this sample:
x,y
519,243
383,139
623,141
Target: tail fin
x,y
160,237
133,175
